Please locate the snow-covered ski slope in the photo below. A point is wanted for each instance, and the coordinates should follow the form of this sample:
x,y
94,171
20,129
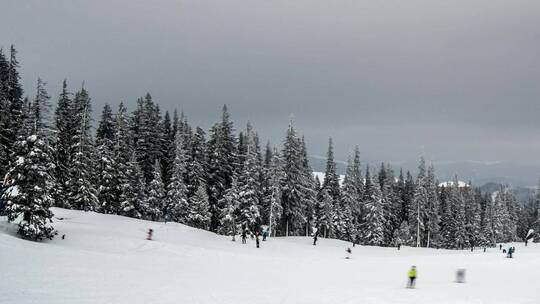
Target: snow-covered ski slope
x,y
106,259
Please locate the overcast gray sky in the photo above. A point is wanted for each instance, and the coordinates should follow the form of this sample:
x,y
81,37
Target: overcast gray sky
x,y
457,79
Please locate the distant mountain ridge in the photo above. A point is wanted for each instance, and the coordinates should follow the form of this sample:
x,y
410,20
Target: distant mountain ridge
x,y
488,176
474,172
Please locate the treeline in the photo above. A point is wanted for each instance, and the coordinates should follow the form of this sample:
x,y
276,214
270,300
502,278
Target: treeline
x,y
148,165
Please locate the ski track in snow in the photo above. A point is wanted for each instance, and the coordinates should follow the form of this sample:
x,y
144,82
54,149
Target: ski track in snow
x,y
107,259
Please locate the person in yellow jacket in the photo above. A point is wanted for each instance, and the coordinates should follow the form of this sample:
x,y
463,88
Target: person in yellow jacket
x,y
412,277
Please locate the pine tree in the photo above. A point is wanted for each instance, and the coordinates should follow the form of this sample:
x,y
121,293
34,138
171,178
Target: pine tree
x,y
82,194
196,172
133,199
177,193
402,236
309,188
230,224
417,211
273,196
147,135
221,164
324,213
167,149
248,185
28,187
156,195
390,202
350,202
293,185
107,168
331,178
373,227
65,136
41,110
432,209
122,155
453,233
11,107
199,212
4,115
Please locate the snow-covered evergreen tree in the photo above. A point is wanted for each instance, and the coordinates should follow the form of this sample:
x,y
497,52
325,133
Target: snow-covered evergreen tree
x,y
196,167
156,195
417,211
293,185
350,202
133,198
167,149
248,185
273,196
221,162
123,152
146,128
41,111
82,193
309,188
453,233
177,193
230,224
107,173
199,215
324,213
11,117
432,209
402,236
66,129
374,221
390,201
28,193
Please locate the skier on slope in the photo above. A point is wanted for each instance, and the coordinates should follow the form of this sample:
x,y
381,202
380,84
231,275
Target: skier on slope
x,y
150,233
315,237
412,277
257,238
349,252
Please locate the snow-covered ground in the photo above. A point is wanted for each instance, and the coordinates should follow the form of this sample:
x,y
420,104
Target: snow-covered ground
x,y
106,259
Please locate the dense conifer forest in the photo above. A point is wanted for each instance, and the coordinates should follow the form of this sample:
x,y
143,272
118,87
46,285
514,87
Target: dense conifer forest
x,y
152,165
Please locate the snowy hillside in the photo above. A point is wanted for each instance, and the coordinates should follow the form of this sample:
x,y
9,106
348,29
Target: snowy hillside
x,y
106,259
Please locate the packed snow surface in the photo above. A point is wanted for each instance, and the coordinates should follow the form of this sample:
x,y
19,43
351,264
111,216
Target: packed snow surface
x,y
106,259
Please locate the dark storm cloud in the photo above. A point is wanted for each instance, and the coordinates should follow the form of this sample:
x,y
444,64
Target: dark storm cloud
x,y
459,80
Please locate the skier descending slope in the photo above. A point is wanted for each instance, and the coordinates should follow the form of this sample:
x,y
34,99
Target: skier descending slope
x,y
150,232
412,277
349,252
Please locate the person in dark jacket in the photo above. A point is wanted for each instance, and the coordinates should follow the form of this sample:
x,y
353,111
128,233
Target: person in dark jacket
x,y
315,237
257,238
244,236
